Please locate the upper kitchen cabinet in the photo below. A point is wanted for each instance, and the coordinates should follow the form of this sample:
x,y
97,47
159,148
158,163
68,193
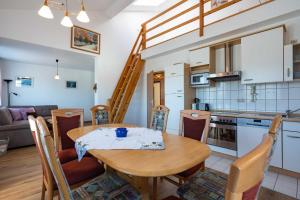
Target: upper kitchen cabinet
x,y
200,57
292,62
262,57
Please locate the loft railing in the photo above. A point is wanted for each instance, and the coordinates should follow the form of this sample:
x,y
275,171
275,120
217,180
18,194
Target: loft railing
x,y
190,15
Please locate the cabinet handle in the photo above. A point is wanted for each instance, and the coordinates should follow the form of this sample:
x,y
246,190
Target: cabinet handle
x,y
179,96
248,79
173,73
288,72
179,90
198,62
295,137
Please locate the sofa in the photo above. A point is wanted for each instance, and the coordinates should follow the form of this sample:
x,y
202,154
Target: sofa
x,y
16,126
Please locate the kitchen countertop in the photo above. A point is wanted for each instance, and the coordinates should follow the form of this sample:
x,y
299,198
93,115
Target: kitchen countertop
x,y
254,115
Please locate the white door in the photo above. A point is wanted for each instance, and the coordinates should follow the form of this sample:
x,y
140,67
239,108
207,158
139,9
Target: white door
x,y
175,102
262,57
199,57
174,84
248,138
288,63
291,150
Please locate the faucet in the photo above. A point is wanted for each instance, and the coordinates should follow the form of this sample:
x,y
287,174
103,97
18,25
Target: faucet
x,y
289,112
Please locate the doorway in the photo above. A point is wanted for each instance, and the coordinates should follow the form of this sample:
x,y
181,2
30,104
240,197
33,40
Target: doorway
x,y
155,91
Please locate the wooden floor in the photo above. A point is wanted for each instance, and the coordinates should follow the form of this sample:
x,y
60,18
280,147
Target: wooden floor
x,y
21,176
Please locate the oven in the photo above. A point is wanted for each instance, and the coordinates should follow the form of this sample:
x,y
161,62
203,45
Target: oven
x,y
223,132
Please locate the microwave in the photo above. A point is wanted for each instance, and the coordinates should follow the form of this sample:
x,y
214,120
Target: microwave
x,y
199,79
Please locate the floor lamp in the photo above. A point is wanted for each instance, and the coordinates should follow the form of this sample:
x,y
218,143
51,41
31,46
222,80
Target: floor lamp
x,y
8,92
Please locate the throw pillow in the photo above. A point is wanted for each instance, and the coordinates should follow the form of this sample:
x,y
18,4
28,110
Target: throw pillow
x,y
5,116
16,114
25,111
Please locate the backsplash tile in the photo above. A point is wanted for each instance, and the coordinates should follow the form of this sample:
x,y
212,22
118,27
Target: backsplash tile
x,y
268,97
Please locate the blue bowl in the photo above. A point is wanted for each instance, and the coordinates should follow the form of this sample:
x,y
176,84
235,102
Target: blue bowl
x,y
121,132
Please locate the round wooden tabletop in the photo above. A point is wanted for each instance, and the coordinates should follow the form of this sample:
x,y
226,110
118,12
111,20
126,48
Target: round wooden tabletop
x,y
180,154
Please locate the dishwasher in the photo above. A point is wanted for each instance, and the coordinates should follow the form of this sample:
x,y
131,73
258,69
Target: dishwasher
x,y
250,133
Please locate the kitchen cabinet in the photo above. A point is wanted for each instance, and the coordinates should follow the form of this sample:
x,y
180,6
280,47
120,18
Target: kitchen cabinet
x,y
178,93
291,146
291,62
262,57
199,57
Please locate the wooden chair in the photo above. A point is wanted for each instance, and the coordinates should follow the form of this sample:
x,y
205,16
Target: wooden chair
x,y
77,173
108,185
193,124
159,118
64,120
244,180
100,115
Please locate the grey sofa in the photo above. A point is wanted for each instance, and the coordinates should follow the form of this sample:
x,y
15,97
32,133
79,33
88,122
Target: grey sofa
x,y
19,131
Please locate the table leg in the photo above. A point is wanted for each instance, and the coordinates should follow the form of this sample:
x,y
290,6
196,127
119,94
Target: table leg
x,y
143,187
154,189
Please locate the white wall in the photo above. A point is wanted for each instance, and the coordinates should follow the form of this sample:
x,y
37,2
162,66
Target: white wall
x,y
46,90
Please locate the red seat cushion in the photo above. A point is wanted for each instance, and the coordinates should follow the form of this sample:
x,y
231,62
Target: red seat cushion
x,y
64,124
191,171
67,155
86,169
251,193
193,128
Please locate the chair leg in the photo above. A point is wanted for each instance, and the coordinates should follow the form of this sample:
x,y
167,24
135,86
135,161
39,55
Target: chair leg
x,y
50,193
154,192
43,191
180,181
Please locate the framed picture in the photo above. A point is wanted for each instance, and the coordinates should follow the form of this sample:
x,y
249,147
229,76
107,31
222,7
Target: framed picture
x,y
85,40
24,81
71,84
216,3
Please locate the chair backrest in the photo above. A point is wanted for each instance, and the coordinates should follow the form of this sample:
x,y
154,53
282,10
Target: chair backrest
x,y
275,126
159,118
247,173
52,159
194,124
64,120
100,115
37,139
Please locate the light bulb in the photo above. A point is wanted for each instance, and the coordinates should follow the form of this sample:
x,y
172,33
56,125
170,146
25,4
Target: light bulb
x,y
45,11
56,77
83,17
66,21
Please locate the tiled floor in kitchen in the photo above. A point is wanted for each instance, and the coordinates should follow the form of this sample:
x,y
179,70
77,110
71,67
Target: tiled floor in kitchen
x,y
281,183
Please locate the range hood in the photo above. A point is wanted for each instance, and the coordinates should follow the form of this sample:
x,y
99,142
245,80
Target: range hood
x,y
228,74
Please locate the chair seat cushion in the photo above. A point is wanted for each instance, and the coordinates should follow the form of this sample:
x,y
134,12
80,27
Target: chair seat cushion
x,y
107,186
67,155
191,171
209,185
86,169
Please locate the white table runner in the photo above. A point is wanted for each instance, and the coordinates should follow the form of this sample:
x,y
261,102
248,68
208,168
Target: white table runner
x,y
105,138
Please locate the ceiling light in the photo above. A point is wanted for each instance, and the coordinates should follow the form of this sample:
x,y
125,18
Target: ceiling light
x,y
45,11
82,16
66,21
56,77
148,2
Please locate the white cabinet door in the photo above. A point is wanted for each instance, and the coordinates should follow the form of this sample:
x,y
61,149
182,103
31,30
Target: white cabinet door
x,y
248,138
199,57
276,159
175,102
288,63
262,57
174,84
174,70
291,149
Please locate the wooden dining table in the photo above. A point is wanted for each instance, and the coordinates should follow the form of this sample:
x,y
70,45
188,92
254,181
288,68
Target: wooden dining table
x,y
138,166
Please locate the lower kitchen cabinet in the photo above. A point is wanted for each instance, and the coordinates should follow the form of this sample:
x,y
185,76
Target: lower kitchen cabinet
x,y
291,146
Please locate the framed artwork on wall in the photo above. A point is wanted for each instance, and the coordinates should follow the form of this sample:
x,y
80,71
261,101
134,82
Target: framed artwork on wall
x,y
85,40
216,3
24,81
71,84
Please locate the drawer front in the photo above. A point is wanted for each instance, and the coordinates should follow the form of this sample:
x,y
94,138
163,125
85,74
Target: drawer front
x,y
291,149
291,126
175,70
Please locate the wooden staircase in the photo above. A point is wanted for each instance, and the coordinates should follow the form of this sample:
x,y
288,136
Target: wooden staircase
x,y
127,83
